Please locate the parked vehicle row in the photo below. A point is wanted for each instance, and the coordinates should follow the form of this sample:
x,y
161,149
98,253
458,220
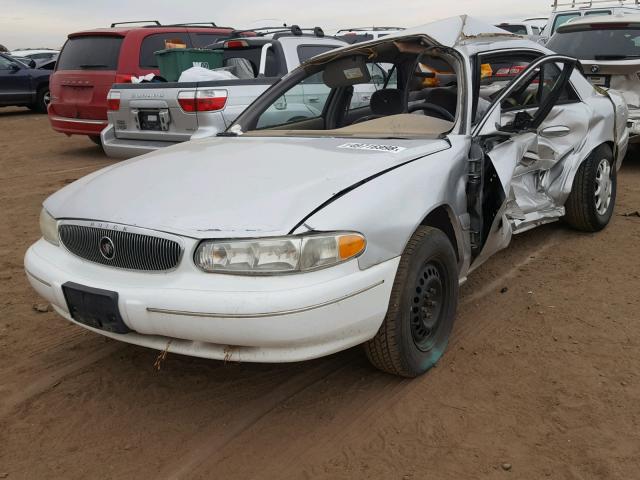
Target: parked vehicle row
x,y
92,61
285,239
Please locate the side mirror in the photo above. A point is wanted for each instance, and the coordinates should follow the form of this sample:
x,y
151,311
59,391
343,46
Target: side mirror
x,y
32,63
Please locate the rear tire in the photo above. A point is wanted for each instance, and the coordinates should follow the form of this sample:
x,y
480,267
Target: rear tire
x,y
422,307
590,205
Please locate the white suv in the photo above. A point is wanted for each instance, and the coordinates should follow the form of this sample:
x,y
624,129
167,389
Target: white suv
x,y
564,12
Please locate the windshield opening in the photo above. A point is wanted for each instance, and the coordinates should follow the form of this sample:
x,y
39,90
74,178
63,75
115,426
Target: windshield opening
x,y
598,44
396,89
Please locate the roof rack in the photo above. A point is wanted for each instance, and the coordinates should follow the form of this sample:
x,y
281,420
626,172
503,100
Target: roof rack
x,y
155,22
190,24
372,29
284,29
591,3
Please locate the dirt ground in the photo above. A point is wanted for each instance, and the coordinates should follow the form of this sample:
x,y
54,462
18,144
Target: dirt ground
x,y
543,376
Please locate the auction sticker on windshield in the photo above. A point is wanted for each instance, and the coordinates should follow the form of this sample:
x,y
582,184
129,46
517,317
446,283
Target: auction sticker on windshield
x,y
373,147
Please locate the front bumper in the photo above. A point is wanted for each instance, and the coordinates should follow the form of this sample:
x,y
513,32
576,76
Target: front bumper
x,y
127,148
253,319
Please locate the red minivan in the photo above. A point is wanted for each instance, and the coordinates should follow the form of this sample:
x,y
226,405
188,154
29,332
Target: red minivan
x,y
93,60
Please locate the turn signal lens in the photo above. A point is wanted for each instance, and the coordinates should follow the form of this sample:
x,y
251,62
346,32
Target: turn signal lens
x,y
350,246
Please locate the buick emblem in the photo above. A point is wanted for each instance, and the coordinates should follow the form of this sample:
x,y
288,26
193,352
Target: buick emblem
x,y
107,250
595,68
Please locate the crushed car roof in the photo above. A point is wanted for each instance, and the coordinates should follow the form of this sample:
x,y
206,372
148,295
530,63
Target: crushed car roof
x,y
454,31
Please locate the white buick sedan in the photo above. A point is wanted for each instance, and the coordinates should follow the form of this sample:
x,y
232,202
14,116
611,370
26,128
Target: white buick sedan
x,y
285,239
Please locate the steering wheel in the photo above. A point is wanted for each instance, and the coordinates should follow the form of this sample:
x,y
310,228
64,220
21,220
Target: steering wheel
x,y
441,112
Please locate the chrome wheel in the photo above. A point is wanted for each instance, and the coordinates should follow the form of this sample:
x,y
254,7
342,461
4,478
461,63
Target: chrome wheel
x,y
604,187
47,98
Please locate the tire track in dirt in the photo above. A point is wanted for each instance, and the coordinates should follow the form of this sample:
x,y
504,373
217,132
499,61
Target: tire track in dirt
x,y
207,444
50,379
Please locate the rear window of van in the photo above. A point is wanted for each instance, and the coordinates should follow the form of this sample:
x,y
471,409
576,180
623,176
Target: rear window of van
x,y
90,52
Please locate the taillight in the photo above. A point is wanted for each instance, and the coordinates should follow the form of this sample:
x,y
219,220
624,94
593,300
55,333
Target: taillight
x,y
187,101
113,101
511,71
203,100
236,44
123,78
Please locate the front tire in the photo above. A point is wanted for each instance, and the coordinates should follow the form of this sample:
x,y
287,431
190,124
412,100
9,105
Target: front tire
x,y
590,205
43,97
422,307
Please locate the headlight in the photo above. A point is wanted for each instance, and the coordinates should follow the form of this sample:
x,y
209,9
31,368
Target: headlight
x,y
271,256
49,227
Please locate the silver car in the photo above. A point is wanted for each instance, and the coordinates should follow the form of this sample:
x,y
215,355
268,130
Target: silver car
x,y
289,239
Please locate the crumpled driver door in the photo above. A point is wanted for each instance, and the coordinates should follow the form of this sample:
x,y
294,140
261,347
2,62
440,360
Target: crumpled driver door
x,y
502,141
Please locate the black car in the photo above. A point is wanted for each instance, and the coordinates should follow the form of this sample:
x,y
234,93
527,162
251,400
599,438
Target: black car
x,y
22,85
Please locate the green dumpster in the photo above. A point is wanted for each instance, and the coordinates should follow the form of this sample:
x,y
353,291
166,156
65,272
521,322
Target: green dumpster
x,y
174,61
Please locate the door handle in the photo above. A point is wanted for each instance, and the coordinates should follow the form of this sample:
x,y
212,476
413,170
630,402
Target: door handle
x,y
314,99
556,131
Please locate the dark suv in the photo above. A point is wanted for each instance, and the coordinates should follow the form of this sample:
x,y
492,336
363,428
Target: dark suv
x,y
93,60
22,85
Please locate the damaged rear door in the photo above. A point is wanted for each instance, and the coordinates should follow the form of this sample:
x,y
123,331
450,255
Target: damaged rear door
x,y
519,149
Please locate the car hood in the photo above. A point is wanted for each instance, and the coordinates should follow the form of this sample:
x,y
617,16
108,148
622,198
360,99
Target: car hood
x,y
231,187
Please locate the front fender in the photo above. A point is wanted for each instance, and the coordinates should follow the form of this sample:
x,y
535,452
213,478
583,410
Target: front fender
x,y
389,208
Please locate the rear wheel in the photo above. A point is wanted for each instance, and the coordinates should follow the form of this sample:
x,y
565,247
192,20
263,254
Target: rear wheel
x,y
593,196
416,329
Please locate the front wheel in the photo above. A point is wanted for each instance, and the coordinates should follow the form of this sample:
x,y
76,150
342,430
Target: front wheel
x,y
593,196
43,98
424,297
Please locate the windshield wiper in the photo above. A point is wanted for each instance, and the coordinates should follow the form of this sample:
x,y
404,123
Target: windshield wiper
x,y
93,65
227,134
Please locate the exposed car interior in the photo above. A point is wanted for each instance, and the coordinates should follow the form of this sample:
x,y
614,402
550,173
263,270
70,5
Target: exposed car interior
x,y
404,88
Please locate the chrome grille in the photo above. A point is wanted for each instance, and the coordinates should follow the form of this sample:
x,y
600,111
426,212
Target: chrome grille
x,y
132,251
